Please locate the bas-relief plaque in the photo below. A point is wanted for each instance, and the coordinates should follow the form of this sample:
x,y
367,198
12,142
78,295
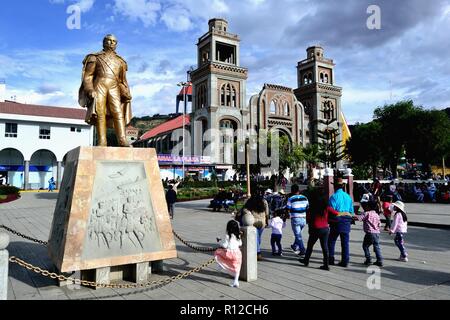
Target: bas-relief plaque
x,y
122,220
111,211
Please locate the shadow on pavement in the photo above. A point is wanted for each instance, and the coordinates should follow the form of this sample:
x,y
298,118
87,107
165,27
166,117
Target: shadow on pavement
x,y
47,196
35,254
413,275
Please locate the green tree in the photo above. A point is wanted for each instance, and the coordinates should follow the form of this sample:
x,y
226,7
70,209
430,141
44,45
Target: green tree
x,y
331,149
364,148
290,155
429,138
311,155
396,124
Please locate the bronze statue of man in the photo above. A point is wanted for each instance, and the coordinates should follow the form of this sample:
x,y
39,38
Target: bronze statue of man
x,y
105,93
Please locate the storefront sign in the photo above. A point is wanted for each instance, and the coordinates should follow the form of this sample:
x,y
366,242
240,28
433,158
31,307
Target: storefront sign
x,y
164,158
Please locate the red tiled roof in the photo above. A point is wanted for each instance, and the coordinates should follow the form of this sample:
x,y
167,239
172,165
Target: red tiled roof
x,y
11,107
166,127
188,91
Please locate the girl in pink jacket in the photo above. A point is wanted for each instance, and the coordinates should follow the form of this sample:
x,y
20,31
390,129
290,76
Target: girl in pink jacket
x,y
400,227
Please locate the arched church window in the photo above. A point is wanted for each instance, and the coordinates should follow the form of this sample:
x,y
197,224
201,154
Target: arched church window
x,y
233,97
328,110
222,95
310,78
326,78
305,79
286,108
273,107
202,96
321,77
226,126
228,95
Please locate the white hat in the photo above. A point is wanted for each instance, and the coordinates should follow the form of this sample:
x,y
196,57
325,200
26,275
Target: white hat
x,y
282,191
268,191
399,205
365,198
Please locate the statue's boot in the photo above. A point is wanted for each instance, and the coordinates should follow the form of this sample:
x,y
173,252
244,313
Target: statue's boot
x,y
119,126
101,133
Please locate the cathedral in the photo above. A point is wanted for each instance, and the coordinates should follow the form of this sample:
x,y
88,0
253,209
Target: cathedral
x,y
219,85
219,100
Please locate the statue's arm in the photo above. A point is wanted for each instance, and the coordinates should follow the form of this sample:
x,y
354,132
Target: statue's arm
x,y
124,73
125,81
89,72
124,78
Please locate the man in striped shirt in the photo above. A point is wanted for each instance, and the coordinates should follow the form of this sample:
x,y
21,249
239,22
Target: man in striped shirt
x,y
297,205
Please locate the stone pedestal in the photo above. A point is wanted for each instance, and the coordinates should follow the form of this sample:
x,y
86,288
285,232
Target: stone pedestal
x,y
140,272
111,211
249,269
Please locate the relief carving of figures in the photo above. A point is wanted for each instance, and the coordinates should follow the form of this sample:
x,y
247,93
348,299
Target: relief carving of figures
x,y
121,220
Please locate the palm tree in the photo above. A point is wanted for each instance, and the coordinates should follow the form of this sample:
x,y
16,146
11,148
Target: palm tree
x,y
311,155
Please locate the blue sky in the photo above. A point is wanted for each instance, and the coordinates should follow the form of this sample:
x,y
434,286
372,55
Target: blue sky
x,y
40,58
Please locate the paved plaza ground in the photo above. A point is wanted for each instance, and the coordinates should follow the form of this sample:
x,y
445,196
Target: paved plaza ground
x,y
425,276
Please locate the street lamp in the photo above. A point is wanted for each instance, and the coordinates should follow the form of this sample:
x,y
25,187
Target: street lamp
x,y
185,86
248,145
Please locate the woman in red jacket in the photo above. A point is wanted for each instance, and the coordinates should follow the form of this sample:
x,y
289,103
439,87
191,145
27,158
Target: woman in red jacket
x,y
317,219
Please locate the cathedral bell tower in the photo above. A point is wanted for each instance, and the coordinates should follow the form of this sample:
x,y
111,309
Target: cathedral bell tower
x,y
318,93
219,86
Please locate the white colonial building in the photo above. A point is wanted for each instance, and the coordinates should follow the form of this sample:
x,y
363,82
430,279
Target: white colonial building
x,y
34,141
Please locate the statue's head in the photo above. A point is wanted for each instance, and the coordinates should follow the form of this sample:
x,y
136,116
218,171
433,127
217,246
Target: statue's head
x,y
110,42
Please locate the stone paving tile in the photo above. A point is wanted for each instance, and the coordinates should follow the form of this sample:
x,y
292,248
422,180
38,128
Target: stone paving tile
x,y
11,295
279,278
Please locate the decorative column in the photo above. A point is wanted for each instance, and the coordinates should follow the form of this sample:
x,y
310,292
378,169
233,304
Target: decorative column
x,y
349,177
249,268
328,180
26,175
4,262
58,175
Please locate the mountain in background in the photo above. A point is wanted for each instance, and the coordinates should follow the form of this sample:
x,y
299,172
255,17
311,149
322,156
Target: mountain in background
x,y
147,123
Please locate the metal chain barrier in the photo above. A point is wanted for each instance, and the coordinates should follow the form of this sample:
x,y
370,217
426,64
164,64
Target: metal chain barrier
x,y
86,283
195,248
200,249
23,236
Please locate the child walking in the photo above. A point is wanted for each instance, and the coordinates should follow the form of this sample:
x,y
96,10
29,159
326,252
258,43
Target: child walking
x,y
400,227
371,224
277,224
229,256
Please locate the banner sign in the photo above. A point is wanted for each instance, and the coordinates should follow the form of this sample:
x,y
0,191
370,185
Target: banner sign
x,y
165,158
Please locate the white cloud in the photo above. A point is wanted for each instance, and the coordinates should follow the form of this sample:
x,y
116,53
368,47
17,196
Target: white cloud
x,y
177,18
57,99
85,5
256,2
144,10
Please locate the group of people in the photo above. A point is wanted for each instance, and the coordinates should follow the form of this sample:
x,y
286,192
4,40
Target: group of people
x,y
225,199
327,218
408,192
